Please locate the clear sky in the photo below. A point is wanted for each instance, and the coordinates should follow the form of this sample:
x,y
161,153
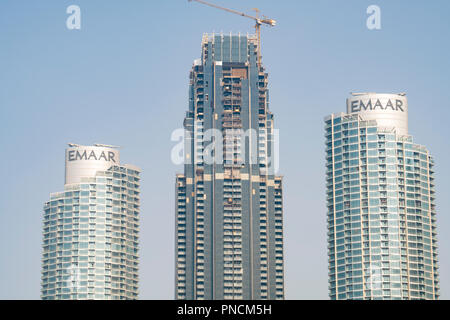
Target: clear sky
x,y
123,80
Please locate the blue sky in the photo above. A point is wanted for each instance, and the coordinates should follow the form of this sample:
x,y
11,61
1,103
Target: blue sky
x,y
123,80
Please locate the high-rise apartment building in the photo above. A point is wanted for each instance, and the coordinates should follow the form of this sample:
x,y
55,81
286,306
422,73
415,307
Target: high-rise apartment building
x,y
91,229
229,214
381,203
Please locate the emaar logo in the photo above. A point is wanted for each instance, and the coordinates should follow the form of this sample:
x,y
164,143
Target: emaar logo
x,y
76,155
372,105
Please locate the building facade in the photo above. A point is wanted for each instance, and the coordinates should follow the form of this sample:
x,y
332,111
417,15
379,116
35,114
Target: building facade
x,y
91,229
229,210
382,241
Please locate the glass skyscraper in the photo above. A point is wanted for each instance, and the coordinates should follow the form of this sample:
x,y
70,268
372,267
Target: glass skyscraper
x,y
91,229
381,203
229,207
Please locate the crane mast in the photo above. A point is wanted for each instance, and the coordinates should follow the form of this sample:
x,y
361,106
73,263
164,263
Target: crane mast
x,y
258,22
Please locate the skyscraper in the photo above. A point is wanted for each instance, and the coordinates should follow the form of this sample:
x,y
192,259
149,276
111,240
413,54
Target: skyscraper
x,y
381,203
229,215
91,229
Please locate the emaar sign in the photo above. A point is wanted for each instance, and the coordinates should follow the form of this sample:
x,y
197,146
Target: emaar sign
x,y
74,155
361,105
86,161
390,111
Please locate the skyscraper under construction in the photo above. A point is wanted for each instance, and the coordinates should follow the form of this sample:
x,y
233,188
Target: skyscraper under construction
x,y
229,207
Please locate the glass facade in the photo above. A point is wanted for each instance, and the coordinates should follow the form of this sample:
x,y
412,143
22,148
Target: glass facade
x,y
229,224
90,238
381,213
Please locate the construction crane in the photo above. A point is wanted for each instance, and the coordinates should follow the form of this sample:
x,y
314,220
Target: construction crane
x,y
258,22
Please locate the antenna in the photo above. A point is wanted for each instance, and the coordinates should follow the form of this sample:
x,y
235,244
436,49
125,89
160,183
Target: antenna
x,y
106,146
